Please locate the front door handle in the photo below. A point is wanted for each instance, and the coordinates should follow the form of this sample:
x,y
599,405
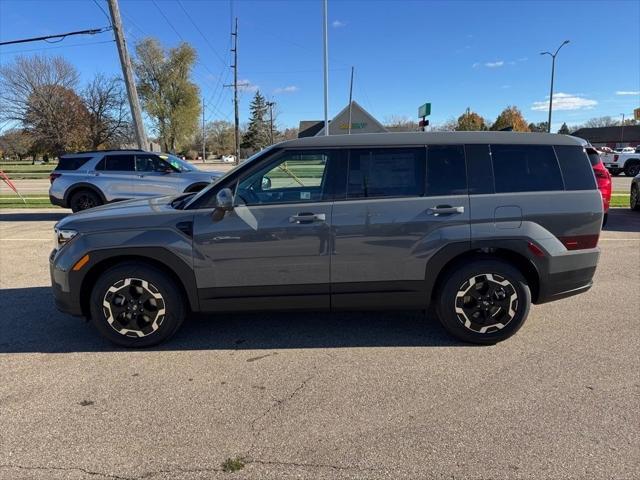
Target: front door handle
x,y
444,210
307,217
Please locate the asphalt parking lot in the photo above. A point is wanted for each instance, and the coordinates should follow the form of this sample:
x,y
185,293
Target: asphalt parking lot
x,y
360,395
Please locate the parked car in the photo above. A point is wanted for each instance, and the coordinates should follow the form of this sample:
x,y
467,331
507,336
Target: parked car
x,y
628,162
228,158
88,179
634,197
603,178
478,224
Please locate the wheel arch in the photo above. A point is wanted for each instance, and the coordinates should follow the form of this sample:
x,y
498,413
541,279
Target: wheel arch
x,y
76,187
448,259
175,268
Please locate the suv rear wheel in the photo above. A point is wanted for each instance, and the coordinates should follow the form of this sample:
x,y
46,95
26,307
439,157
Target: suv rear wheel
x,y
484,301
634,200
84,199
136,305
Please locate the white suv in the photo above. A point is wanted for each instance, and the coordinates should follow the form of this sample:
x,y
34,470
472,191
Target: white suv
x,y
87,179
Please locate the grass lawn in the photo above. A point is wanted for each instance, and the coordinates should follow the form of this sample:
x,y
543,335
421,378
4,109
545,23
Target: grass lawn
x,y
36,200
619,200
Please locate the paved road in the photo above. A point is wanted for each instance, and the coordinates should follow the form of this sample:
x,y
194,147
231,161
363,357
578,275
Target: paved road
x,y
312,396
620,184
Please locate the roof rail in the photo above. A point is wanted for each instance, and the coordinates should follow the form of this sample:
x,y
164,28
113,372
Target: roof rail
x,y
106,150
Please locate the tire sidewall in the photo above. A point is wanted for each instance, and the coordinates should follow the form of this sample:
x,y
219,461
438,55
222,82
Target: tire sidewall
x,y
453,281
74,199
174,304
634,202
632,170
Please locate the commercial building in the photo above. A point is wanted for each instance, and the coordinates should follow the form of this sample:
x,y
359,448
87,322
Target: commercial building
x,y
613,137
361,122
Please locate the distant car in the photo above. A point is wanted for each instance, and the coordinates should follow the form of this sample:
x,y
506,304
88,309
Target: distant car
x,y
605,149
618,162
634,201
228,159
87,179
603,177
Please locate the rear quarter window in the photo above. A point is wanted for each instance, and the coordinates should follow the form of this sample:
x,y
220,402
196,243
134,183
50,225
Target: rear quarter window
x,y
71,163
525,168
576,166
116,163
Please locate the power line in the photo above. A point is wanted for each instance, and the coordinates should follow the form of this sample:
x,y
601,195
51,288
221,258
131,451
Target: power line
x,y
167,20
61,36
202,34
103,11
60,46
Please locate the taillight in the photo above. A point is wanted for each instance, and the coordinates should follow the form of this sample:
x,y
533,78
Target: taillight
x,y
580,242
615,158
53,176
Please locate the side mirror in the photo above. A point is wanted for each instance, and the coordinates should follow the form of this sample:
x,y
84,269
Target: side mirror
x,y
224,199
266,183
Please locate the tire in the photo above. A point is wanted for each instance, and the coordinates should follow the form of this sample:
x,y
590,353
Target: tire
x,y
503,285
634,200
83,200
605,217
632,170
136,305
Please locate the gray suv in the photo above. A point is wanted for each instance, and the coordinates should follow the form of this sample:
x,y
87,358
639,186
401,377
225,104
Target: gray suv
x,y
478,225
88,179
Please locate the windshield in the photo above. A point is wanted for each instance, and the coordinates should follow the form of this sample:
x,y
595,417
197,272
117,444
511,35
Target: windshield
x,y
178,163
248,161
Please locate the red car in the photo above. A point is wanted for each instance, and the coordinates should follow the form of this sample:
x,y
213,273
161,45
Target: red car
x,y
603,178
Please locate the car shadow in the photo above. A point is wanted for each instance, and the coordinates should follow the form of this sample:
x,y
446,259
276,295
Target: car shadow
x,y
623,220
28,216
30,323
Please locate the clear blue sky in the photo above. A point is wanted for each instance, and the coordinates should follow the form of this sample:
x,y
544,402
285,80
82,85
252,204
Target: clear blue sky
x,y
455,54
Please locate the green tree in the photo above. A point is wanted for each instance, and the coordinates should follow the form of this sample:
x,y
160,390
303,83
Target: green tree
x,y
511,117
15,143
168,95
470,121
564,129
258,132
540,127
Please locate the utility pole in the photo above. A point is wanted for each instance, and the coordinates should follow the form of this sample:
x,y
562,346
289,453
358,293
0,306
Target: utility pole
x,y
204,144
234,34
325,35
622,131
127,73
270,105
350,99
553,68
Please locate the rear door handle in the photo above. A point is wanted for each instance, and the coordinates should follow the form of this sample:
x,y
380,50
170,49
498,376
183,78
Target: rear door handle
x,y
307,217
444,210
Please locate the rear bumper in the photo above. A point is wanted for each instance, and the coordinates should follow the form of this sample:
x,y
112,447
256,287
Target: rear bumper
x,y
57,201
567,275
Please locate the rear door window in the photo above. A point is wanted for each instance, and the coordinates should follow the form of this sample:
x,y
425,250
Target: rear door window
x,y
446,170
479,169
389,172
71,163
116,163
525,168
576,166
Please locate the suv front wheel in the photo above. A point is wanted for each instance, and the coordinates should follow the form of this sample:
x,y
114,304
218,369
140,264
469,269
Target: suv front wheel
x,y
484,301
136,305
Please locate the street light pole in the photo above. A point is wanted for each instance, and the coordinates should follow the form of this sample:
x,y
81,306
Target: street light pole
x,y
622,131
553,69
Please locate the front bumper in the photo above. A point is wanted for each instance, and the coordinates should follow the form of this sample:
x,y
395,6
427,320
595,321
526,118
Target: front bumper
x,y
65,292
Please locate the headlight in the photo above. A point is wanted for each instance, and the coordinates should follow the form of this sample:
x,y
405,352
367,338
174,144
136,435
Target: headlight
x,y
61,237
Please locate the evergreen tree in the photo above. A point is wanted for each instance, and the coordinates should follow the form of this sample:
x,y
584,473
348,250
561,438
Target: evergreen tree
x,y
258,134
564,129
